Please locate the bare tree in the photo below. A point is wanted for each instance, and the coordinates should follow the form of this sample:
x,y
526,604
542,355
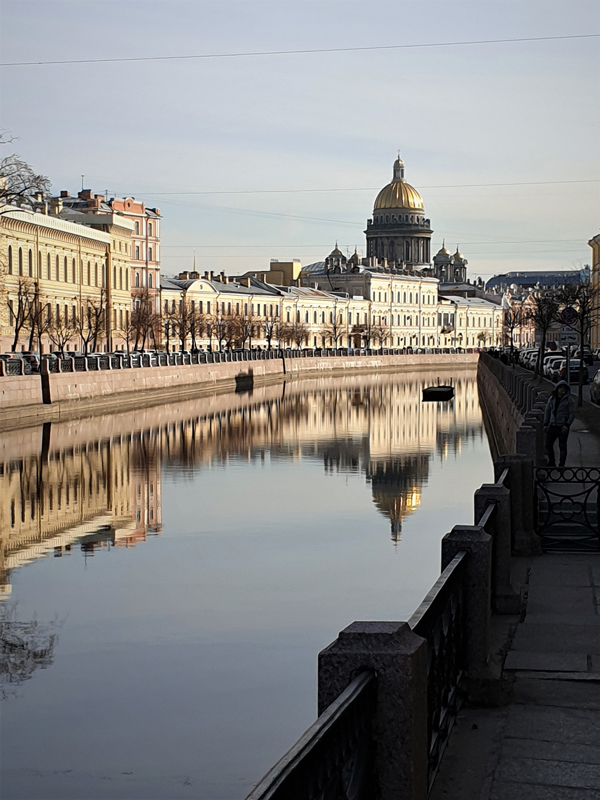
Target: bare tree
x,y
513,319
19,184
334,329
144,321
379,333
585,299
20,309
61,330
543,312
272,329
40,319
247,326
91,321
299,333
219,325
197,326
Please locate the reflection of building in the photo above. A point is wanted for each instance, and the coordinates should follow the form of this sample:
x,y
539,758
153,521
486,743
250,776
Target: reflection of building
x,y
94,484
94,494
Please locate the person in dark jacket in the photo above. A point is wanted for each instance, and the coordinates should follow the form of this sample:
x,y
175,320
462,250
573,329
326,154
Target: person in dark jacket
x,y
558,418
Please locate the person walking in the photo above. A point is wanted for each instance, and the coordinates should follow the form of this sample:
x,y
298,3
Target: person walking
x,y
558,418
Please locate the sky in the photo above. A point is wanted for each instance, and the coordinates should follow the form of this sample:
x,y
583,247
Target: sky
x,y
253,158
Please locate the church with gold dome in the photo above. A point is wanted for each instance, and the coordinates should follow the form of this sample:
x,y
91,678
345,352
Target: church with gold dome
x,y
399,233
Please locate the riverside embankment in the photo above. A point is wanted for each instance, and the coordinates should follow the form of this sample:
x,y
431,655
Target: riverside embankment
x,y
86,387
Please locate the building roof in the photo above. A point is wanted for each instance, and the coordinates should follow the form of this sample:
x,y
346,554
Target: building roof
x,y
398,193
533,277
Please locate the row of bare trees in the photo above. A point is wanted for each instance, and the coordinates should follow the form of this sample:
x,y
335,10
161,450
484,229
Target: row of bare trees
x,y
544,310
31,315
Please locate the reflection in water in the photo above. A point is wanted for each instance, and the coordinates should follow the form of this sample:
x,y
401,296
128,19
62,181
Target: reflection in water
x,y
186,666
91,493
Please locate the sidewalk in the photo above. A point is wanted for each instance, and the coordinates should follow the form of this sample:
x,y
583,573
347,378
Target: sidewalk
x,y
545,744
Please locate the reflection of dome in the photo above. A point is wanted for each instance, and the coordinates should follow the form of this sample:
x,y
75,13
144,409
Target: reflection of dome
x,y
399,193
397,487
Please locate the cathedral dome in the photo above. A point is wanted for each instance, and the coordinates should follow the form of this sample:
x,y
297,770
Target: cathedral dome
x,y
398,193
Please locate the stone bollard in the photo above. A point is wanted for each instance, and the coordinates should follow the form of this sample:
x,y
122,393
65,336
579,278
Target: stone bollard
x,y
535,418
526,441
504,598
399,657
525,541
478,599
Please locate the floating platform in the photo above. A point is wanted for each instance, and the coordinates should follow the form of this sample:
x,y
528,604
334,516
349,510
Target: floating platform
x,y
438,393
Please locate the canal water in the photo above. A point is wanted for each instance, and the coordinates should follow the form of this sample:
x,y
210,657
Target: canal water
x,y
169,575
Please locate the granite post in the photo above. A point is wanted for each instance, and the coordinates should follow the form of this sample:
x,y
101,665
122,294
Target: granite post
x,y
399,657
478,600
520,483
505,600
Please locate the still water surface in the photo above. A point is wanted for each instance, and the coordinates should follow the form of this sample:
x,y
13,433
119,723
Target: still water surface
x,y
170,575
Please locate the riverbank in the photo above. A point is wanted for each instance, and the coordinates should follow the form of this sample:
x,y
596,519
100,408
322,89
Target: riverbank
x,y
30,399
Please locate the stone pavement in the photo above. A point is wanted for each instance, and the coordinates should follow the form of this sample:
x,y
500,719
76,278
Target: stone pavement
x,y
545,742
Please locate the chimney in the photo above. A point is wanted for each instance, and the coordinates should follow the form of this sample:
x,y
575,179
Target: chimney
x,y
212,275
206,275
64,193
85,194
222,277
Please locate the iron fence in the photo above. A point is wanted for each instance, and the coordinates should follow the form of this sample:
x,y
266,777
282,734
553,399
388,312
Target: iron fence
x,y
333,760
441,620
567,508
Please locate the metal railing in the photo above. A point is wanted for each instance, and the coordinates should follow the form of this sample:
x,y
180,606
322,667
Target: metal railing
x,y
440,619
334,757
567,508
70,363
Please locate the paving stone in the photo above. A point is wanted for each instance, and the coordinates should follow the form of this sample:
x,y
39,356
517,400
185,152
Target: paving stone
x,y
551,573
553,724
549,773
562,638
562,619
561,599
550,751
546,662
502,790
584,694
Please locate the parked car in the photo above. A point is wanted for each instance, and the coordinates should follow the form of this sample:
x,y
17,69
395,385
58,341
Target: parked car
x,y
573,372
595,388
550,363
588,357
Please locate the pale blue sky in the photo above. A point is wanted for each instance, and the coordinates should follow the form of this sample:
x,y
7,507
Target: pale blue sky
x,y
496,113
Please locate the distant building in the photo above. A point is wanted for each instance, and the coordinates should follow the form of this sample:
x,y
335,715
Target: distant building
x,y
533,279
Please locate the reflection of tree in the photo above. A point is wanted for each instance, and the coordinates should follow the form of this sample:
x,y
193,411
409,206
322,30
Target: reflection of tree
x,y
24,647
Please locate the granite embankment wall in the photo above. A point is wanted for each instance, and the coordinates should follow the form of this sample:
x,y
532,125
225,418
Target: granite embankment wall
x,y
513,403
35,398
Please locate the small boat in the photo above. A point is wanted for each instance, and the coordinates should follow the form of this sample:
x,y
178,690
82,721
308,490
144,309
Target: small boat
x,y
438,393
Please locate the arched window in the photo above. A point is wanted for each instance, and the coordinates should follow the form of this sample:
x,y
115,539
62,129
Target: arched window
x,y
137,252
20,261
96,273
39,264
48,267
150,280
66,276
149,254
149,229
89,273
114,283
10,266
137,228
74,272
137,280
30,264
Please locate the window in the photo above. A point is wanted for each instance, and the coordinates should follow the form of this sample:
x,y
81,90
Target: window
x,y
10,266
149,229
208,306
74,272
20,261
48,267
288,315
96,274
150,280
306,316
405,297
30,264
137,252
121,278
137,228
166,306
314,316
137,280
149,254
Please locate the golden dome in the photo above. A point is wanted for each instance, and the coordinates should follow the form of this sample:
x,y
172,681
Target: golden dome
x,y
398,193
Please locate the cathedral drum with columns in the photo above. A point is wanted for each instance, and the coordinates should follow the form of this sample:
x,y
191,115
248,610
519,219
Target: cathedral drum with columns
x,y
399,231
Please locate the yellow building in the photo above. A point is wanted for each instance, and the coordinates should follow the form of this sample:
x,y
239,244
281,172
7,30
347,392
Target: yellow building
x,y
62,281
